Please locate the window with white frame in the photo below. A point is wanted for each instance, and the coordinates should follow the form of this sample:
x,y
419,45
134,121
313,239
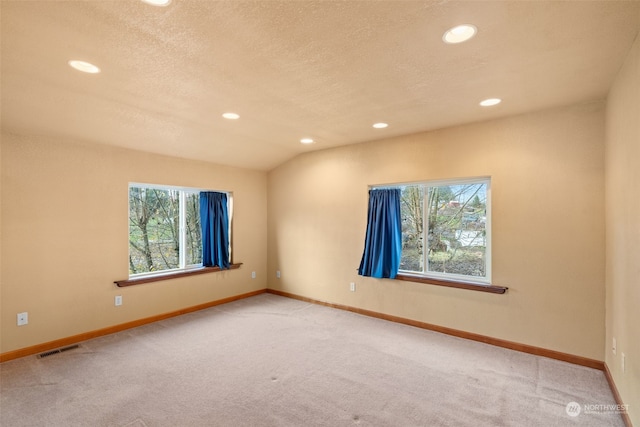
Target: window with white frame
x,y
446,230
164,229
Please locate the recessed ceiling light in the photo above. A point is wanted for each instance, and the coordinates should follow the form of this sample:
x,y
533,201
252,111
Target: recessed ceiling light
x,y
490,102
459,34
85,67
306,141
380,125
157,2
231,116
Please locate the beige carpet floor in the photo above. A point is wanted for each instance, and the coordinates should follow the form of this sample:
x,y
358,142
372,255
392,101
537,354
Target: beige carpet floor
x,y
274,361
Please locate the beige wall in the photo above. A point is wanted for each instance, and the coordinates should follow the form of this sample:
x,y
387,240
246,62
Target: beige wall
x,y
64,230
63,210
65,237
547,172
623,230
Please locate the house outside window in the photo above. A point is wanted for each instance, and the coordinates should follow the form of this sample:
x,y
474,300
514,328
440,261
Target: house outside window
x,y
446,230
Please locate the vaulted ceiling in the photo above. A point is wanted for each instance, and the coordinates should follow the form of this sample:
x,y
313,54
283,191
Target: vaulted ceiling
x,y
326,70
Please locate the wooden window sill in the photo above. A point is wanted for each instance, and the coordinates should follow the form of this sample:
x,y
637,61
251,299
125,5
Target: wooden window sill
x,y
173,275
451,284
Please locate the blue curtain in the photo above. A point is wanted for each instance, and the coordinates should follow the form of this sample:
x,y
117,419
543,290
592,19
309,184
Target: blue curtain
x,y
383,243
214,221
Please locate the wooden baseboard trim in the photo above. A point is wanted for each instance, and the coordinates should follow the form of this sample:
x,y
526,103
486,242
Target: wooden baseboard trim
x,y
63,342
538,351
616,395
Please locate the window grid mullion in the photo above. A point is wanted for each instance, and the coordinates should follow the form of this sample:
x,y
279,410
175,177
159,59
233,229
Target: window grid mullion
x,y
425,229
183,226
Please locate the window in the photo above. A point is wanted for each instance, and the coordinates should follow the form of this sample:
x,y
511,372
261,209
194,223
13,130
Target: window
x,y
164,229
446,230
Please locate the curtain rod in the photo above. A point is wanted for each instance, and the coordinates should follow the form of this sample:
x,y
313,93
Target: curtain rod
x,y
446,181
383,187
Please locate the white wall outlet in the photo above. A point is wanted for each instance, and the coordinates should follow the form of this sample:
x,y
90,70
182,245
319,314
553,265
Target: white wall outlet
x,y
253,274
23,318
278,274
614,346
352,287
118,300
623,363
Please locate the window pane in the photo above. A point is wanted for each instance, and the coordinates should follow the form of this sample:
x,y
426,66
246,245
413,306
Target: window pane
x,y
457,229
193,230
412,224
153,230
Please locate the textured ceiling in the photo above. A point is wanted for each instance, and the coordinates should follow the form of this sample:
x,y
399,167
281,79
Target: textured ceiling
x,y
292,69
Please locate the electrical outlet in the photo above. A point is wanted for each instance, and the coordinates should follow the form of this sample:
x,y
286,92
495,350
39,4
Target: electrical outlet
x,y
118,300
352,287
23,318
253,274
278,274
614,347
624,367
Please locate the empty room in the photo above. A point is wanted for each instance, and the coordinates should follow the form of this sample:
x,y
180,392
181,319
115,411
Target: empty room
x,y
329,213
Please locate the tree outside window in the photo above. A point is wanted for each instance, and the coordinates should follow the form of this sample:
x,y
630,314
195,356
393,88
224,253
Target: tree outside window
x,y
445,229
164,229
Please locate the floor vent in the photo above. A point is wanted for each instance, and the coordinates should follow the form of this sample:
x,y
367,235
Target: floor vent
x,y
57,351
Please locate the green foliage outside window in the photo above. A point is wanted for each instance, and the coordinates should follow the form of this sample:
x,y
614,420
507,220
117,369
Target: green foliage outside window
x,y
455,219
158,234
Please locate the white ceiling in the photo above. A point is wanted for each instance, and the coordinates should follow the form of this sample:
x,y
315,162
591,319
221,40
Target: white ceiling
x,y
326,70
